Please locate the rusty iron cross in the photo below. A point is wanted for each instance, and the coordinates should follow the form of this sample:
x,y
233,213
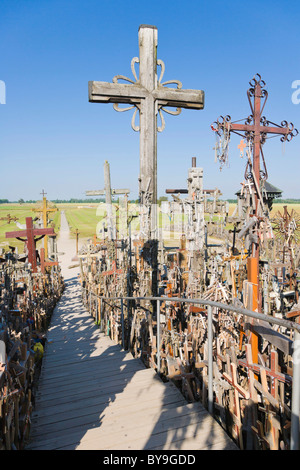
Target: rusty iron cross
x,y
256,127
255,130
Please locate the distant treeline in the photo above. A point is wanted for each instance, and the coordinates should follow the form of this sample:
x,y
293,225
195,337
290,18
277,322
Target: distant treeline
x,y
94,200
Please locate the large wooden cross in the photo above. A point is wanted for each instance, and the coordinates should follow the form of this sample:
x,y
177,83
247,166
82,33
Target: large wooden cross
x,y
31,235
150,96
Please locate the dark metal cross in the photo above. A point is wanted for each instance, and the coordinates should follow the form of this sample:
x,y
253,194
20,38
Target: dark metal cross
x,y
255,131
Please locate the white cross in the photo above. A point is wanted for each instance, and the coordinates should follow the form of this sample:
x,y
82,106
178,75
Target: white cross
x,y
150,96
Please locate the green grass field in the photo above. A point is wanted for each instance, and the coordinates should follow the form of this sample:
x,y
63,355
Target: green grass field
x,y
82,217
21,211
85,217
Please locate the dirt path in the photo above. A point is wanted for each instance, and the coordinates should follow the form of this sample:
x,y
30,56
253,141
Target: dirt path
x,y
67,249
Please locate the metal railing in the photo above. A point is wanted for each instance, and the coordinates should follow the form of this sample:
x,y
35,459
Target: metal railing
x,y
295,408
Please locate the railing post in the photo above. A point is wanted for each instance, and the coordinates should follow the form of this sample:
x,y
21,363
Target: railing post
x,y
122,324
295,410
210,360
158,335
90,302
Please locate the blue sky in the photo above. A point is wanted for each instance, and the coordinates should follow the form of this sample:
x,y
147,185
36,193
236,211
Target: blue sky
x,y
52,138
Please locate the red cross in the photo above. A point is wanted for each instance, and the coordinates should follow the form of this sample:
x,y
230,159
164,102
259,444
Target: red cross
x,y
273,372
114,270
31,236
45,264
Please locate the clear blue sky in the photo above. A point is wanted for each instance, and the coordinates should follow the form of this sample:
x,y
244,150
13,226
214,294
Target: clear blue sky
x,y
52,138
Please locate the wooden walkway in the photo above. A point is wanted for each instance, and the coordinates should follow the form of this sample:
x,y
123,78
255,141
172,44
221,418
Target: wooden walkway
x,y
93,395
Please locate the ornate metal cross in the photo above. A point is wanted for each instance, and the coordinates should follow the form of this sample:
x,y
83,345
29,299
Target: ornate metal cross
x,y
150,96
255,130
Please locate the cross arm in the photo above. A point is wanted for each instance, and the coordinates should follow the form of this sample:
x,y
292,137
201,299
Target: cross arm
x,y
16,234
262,129
101,192
176,191
24,233
105,92
43,231
191,99
48,209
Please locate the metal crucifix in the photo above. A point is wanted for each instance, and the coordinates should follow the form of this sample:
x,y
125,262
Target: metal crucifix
x,y
255,130
150,96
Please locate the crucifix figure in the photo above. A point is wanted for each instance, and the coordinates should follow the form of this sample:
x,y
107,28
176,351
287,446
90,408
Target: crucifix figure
x,y
31,235
255,131
111,229
150,96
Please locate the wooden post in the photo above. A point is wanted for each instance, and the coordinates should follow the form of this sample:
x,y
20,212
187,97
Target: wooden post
x,y
108,191
252,270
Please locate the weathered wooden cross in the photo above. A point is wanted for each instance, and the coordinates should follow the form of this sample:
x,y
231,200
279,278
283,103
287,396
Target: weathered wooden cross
x,y
108,191
150,96
45,210
31,235
9,218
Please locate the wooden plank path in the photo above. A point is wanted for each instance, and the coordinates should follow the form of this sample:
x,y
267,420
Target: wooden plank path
x,y
93,395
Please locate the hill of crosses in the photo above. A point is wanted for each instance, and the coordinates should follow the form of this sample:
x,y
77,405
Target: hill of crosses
x,y
206,296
